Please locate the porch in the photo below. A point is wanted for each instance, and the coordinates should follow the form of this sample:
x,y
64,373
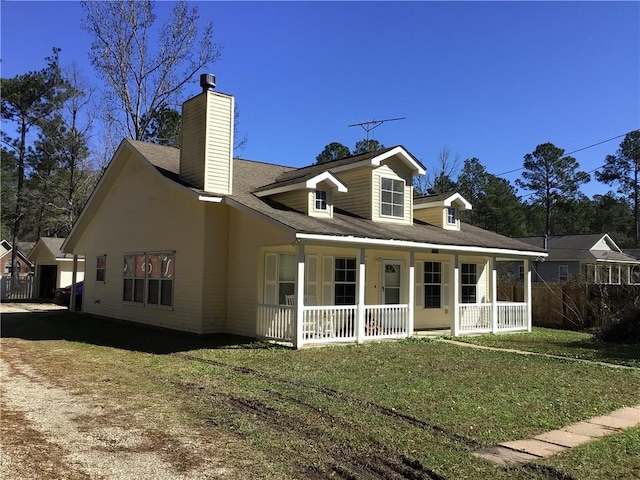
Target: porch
x,y
353,324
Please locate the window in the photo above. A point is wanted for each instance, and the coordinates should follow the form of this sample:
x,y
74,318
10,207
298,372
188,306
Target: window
x,y
8,269
148,279
521,273
286,277
468,283
101,268
391,197
563,273
321,200
451,216
344,281
432,284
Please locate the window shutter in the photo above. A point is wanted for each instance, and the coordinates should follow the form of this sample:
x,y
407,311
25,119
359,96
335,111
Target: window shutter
x,y
311,280
419,287
271,278
446,282
327,280
481,285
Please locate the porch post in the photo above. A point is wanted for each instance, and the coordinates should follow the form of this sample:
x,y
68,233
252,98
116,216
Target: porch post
x,y
360,308
527,292
455,327
412,293
494,295
72,301
299,295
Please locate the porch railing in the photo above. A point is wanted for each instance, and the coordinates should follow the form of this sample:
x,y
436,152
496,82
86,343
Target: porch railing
x,y
275,322
329,324
477,317
386,321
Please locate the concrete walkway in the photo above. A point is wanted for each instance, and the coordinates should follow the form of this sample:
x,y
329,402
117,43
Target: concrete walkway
x,y
557,441
548,355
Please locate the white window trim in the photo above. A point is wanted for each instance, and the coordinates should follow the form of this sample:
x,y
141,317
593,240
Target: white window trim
x,y
404,186
326,200
449,215
146,279
104,269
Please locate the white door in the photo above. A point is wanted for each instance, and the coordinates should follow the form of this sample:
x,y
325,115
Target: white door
x,y
391,275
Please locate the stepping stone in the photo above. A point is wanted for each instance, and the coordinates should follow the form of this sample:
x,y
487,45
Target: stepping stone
x,y
613,422
534,447
630,413
588,429
564,438
504,456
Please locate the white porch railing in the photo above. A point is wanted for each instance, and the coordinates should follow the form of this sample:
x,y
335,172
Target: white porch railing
x,y
512,316
275,322
334,323
477,317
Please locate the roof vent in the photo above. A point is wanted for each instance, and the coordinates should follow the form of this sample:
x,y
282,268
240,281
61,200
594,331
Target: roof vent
x,y
207,81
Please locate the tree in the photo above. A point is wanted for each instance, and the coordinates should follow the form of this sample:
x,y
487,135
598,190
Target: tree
x,y
163,127
613,216
366,145
27,101
440,178
551,176
332,151
145,71
623,170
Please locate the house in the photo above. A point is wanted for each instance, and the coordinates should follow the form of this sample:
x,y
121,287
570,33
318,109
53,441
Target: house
x,y
196,240
594,258
25,267
53,268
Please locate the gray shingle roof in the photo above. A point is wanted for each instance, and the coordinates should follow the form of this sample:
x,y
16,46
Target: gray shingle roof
x,y
577,248
248,176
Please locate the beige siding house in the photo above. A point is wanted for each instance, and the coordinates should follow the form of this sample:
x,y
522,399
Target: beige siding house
x,y
339,252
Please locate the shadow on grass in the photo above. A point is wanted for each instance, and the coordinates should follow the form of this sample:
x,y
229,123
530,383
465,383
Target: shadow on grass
x,y
600,351
74,327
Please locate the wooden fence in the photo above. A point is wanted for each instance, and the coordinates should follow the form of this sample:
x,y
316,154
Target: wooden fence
x,y
572,306
21,289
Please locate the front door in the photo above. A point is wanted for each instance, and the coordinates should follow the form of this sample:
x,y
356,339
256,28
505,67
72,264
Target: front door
x,y
391,275
48,281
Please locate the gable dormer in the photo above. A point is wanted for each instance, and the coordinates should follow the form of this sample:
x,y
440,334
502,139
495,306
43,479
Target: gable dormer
x,y
442,210
310,194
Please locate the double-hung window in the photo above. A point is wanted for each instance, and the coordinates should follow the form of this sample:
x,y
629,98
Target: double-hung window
x,y
391,197
148,279
469,283
451,215
432,284
101,268
563,273
279,278
345,281
321,200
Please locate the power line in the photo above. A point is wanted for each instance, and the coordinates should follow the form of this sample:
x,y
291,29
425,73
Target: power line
x,y
574,151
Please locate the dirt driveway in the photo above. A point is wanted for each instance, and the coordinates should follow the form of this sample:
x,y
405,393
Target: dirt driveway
x,y
53,431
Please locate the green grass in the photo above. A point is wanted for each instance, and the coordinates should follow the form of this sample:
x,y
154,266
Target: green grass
x,y
356,410
564,343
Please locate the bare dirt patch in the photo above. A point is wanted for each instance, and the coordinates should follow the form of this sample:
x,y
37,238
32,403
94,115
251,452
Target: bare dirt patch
x,y
52,432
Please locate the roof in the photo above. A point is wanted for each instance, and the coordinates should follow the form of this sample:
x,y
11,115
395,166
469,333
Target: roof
x,y
569,248
249,176
54,245
5,248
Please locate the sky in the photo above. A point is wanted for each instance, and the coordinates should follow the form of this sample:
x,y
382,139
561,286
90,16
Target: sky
x,y
490,80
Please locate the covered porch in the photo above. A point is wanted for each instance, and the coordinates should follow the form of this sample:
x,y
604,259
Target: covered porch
x,y
315,293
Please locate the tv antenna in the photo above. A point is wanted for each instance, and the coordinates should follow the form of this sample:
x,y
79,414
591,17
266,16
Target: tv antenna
x,y
373,124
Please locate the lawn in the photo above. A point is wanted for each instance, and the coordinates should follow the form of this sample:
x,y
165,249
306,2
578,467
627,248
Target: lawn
x,y
563,343
410,409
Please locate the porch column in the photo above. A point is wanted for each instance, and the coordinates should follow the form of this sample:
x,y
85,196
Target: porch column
x,y
494,295
360,307
299,295
72,301
455,327
412,293
527,292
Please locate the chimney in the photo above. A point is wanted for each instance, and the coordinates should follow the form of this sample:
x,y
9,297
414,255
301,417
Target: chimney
x,y
206,143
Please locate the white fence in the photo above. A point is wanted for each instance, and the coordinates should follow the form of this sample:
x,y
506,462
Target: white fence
x,y
22,289
478,317
275,322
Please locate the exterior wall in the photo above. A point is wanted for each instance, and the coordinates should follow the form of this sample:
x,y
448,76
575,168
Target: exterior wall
x,y
434,216
247,234
358,199
65,273
548,271
296,199
396,170
207,143
143,212
216,264
25,269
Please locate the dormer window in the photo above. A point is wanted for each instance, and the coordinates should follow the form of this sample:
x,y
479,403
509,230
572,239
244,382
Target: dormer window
x,y
451,215
392,197
321,202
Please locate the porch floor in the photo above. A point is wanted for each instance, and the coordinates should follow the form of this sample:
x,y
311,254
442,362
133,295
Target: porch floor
x,y
438,332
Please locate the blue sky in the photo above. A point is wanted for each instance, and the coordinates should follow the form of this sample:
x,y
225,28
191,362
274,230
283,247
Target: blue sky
x,y
484,79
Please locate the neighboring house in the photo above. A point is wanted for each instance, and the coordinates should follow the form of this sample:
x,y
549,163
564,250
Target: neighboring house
x,y
594,258
53,268
195,240
25,267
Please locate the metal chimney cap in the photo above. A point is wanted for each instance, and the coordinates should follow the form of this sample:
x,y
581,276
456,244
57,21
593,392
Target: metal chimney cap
x,y
207,81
